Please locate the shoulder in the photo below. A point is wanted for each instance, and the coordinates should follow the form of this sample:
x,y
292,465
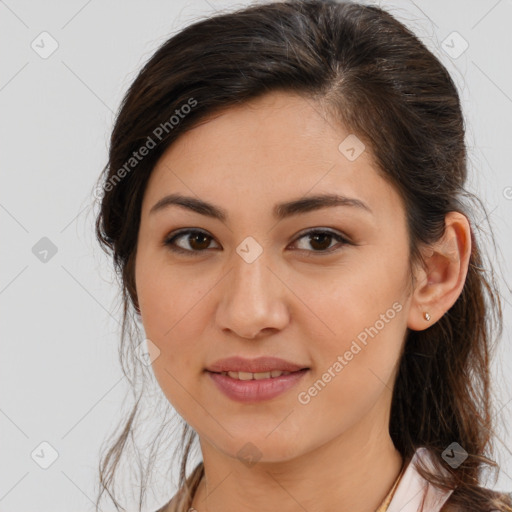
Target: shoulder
x,y
417,493
503,497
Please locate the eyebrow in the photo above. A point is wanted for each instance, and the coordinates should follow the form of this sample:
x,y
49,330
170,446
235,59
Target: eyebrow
x,y
280,211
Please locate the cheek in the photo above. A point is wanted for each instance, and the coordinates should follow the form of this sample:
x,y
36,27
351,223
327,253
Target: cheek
x,y
346,301
167,295
170,302
363,322
352,375
178,367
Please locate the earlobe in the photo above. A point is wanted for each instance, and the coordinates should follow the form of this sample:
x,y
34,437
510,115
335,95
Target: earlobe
x,y
440,283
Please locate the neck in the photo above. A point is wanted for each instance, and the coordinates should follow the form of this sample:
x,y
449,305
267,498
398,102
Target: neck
x,y
352,472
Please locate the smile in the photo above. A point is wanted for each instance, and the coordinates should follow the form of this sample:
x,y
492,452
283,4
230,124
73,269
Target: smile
x,y
247,387
255,376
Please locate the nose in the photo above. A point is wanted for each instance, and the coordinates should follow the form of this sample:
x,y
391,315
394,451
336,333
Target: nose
x,y
253,299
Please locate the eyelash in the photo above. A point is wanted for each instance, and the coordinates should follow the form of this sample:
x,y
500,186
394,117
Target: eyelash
x,y
169,242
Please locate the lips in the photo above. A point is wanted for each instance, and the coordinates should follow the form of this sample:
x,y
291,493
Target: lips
x,y
255,380
260,365
256,390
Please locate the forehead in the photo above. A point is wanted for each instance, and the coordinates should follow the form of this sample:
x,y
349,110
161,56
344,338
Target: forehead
x,y
270,149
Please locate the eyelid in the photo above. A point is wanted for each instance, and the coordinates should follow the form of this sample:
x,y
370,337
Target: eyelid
x,y
169,239
335,234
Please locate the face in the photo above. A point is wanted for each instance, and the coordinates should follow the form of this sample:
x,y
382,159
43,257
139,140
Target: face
x,y
321,286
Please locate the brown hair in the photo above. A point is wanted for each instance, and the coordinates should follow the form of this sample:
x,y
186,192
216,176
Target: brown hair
x,y
366,70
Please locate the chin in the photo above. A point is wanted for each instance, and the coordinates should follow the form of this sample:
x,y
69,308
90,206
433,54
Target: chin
x,y
258,447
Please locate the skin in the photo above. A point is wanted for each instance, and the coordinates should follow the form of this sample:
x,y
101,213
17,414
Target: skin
x,y
335,452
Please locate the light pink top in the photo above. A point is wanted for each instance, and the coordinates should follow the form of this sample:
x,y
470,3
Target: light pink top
x,y
414,493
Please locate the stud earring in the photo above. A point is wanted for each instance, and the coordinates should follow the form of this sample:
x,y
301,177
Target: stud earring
x,y
426,316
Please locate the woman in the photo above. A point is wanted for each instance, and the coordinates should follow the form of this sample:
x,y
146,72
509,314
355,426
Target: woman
x,y
284,203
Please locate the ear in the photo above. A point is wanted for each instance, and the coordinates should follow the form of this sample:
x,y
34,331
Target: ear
x,y
439,285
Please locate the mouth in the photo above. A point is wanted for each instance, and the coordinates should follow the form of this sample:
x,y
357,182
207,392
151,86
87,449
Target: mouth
x,y
257,375
250,388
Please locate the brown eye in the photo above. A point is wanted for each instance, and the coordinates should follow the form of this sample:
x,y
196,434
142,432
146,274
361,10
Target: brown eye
x,y
197,241
320,240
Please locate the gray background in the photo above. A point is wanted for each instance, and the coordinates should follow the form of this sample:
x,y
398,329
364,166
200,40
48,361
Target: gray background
x,y
60,381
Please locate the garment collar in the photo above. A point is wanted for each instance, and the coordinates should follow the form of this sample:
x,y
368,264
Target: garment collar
x,y
414,493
